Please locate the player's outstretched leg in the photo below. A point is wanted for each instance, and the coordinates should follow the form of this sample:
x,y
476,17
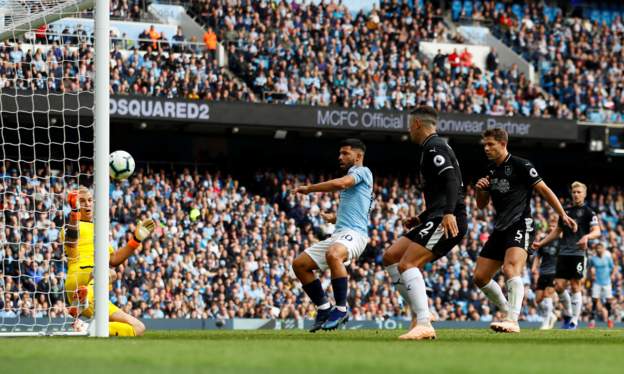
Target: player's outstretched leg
x,y
415,258
304,267
123,324
336,255
391,259
484,271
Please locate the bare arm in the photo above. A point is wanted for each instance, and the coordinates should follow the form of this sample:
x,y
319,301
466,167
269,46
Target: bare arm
x,y
483,199
553,201
593,234
143,230
483,193
119,257
333,185
552,235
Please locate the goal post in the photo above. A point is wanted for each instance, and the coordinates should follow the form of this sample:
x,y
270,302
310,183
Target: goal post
x,y
102,140
54,137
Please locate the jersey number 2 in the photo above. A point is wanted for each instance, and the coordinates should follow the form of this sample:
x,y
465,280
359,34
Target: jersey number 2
x,y
426,229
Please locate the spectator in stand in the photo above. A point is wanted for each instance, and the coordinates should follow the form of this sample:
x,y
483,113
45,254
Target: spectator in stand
x,y
210,40
455,61
466,61
177,41
491,61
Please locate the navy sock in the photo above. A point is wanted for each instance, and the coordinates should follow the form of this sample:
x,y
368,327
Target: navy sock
x,y
315,291
340,287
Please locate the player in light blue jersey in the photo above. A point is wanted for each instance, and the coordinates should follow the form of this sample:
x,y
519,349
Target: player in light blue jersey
x,y
348,241
602,266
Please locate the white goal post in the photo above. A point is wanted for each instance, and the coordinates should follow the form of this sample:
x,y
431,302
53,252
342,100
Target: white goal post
x,y
54,137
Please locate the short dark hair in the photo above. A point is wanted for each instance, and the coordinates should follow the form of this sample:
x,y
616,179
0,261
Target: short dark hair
x,y
500,135
427,113
354,143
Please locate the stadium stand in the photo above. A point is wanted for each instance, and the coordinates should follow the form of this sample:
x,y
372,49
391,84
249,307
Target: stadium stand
x,y
578,56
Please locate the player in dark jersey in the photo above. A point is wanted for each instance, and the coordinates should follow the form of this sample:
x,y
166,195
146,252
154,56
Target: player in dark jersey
x,y
509,183
544,265
436,230
572,251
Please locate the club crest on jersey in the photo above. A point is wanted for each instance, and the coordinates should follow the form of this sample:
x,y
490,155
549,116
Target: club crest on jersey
x,y
438,160
501,185
579,213
508,170
533,173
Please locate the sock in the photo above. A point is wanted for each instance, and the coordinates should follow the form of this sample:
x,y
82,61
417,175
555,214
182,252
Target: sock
x,y
595,309
608,306
515,291
494,293
393,270
340,287
547,308
577,305
315,292
564,297
417,294
120,329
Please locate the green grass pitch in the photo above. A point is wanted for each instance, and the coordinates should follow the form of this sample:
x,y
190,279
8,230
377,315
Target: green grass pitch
x,y
344,352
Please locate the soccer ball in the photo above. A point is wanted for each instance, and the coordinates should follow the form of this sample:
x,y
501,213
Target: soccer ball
x,y
121,165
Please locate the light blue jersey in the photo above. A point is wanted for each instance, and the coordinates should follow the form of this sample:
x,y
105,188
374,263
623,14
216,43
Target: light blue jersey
x,y
603,266
356,201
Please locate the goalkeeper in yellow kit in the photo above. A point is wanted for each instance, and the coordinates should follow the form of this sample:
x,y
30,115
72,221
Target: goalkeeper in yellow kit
x,y
78,243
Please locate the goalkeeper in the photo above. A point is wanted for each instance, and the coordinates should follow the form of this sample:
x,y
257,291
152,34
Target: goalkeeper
x,y
78,243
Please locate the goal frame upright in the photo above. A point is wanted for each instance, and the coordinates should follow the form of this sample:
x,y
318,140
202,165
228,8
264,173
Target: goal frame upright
x,y
102,142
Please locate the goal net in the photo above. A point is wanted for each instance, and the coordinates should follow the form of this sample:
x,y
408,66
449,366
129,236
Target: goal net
x,y
47,149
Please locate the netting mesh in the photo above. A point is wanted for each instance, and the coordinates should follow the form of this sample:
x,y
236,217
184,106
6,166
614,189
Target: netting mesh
x,y
46,136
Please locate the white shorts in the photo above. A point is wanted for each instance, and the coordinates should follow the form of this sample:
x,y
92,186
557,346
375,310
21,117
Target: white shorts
x,y
601,292
353,240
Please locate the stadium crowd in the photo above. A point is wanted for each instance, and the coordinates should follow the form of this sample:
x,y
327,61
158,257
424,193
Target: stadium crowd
x,y
579,60
221,251
323,55
294,54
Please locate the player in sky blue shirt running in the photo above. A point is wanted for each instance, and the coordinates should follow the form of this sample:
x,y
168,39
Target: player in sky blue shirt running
x,y
347,242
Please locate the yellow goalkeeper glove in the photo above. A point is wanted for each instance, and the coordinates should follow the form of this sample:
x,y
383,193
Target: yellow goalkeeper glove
x,y
143,230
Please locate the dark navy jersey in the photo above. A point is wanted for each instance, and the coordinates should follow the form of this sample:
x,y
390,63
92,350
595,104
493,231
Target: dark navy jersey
x,y
585,219
548,255
437,158
511,187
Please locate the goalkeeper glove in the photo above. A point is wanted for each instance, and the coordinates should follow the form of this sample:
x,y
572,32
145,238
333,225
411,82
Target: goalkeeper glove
x,y
142,231
74,204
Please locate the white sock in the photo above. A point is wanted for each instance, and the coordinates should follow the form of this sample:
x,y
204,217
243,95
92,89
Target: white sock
x,y
494,293
577,305
325,306
547,308
416,294
515,291
564,297
393,271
